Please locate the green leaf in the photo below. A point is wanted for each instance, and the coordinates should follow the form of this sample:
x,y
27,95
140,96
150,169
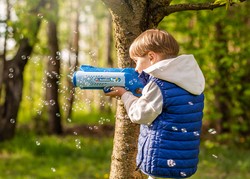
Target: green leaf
x,y
220,2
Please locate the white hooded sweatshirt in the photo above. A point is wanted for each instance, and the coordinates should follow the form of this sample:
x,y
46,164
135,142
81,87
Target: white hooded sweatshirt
x,y
182,71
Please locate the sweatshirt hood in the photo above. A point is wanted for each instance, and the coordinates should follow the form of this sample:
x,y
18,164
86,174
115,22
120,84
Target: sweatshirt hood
x,y
182,71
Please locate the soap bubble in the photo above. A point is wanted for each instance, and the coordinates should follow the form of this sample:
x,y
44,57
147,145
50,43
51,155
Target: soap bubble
x,y
53,169
49,85
53,63
40,15
11,75
52,102
196,133
78,143
215,156
212,131
174,128
183,130
69,120
12,121
171,163
38,143
23,57
131,82
183,174
11,70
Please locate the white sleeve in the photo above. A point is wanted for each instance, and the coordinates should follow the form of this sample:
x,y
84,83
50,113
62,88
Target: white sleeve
x,y
145,109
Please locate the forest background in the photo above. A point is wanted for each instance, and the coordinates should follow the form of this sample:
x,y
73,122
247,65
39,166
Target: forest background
x,y
62,36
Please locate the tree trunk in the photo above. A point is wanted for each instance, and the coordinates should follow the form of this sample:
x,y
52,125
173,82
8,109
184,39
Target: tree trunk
x,y
223,98
53,74
13,83
123,163
108,43
3,56
73,59
13,80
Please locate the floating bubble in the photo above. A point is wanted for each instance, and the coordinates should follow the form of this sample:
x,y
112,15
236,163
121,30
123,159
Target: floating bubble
x,y
53,169
212,131
11,75
11,70
131,82
40,15
183,130
23,57
78,146
50,57
196,133
52,102
215,156
38,143
53,63
171,163
58,53
174,128
69,120
39,112
12,121
78,143
29,98
183,174
49,85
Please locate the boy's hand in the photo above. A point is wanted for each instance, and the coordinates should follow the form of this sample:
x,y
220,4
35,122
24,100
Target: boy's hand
x,y
116,92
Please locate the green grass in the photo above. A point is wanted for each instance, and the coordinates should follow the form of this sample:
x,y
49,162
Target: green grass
x,y
223,162
44,157
72,157
93,117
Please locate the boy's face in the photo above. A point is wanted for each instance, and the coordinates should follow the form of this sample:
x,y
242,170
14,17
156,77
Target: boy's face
x,y
146,61
142,63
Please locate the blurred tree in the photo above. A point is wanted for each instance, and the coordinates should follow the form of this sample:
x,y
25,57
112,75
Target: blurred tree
x,y
140,15
3,55
222,50
13,70
53,71
73,57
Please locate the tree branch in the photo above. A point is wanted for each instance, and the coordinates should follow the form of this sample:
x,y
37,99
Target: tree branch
x,y
192,6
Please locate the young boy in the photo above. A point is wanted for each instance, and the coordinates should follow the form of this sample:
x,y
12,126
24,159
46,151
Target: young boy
x,y
170,108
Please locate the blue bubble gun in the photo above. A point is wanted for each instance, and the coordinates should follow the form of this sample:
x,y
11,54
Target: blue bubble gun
x,y
89,77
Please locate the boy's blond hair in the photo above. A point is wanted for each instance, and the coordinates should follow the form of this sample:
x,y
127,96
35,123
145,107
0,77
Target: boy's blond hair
x,y
155,40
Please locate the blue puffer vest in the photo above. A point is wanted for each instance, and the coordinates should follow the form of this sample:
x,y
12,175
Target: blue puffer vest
x,y
169,147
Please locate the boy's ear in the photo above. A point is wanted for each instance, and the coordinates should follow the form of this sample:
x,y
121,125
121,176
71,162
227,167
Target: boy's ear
x,y
152,57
